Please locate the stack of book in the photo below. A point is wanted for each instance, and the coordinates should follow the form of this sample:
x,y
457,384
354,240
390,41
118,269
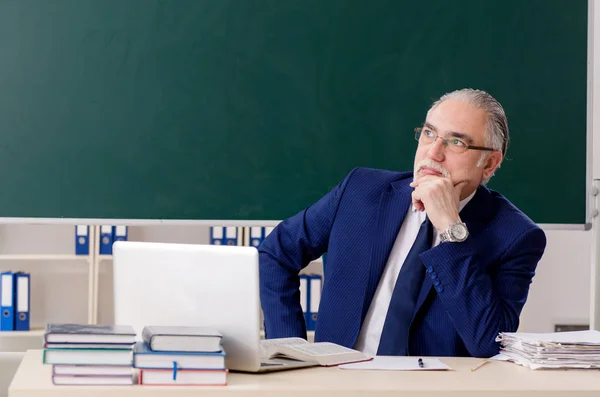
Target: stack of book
x,y
86,354
558,350
180,355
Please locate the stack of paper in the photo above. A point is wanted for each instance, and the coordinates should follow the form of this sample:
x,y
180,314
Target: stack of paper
x,y
578,349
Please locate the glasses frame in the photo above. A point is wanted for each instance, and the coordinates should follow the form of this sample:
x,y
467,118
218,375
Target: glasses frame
x,y
418,131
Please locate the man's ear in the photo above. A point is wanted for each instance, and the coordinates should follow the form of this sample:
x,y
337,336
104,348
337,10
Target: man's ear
x,y
492,162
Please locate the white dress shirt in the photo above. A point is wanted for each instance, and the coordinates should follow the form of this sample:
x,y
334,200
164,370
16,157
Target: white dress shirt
x,y
370,333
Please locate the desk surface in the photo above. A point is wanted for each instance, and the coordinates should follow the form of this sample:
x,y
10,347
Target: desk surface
x,y
497,378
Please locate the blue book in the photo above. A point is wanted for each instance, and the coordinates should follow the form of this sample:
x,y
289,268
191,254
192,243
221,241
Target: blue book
x,y
82,240
119,233
315,283
22,296
106,240
145,358
7,302
217,234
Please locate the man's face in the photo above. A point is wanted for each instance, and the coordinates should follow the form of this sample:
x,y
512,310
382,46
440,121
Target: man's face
x,y
455,118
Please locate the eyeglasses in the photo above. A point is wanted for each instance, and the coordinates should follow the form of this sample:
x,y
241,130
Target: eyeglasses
x,y
426,136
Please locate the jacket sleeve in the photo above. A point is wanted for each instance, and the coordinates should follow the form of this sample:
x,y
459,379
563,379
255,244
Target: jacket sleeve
x,y
289,248
483,302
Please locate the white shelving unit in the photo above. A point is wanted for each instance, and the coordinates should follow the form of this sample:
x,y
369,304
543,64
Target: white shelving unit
x,y
16,245
47,252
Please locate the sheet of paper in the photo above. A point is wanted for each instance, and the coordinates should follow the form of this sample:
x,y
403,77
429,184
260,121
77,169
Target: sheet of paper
x,y
387,363
589,337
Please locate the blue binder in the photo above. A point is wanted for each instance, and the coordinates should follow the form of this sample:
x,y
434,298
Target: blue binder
x,y
315,285
22,300
257,235
120,233
231,235
217,234
106,240
7,306
304,298
82,240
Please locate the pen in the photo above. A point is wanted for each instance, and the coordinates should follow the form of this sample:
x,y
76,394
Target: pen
x,y
421,365
481,364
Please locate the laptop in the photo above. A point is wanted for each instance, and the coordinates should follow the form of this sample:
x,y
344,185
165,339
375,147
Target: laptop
x,y
194,284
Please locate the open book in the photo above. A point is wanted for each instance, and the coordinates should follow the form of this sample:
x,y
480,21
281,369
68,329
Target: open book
x,y
322,353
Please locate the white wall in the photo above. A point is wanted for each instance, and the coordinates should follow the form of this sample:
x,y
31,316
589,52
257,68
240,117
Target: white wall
x,y
560,290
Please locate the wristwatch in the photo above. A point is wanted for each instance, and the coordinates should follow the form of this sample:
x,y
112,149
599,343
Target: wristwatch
x,y
456,233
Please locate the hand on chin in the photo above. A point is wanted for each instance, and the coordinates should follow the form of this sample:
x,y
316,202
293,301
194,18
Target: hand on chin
x,y
438,196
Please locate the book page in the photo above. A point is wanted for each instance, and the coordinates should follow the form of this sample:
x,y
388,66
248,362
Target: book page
x,y
268,346
323,353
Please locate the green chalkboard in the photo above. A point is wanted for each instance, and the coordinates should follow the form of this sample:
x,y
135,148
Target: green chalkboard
x,y
253,109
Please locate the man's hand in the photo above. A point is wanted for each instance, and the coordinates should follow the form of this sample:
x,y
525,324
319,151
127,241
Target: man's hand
x,y
440,197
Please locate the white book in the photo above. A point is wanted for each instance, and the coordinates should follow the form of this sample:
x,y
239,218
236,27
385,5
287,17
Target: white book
x,y
183,377
92,380
182,338
87,357
113,346
113,370
322,353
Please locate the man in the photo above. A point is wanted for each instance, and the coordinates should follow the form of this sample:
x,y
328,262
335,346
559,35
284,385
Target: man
x,y
428,262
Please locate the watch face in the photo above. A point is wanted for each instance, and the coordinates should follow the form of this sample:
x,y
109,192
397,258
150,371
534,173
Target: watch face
x,y
459,232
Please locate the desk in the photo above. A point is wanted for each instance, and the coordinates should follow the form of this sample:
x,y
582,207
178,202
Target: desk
x,y
33,379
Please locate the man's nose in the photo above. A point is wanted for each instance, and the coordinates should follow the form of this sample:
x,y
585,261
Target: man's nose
x,y
437,150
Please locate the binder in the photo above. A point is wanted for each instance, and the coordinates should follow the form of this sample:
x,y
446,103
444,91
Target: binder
x,y
7,321
231,235
106,238
22,297
316,283
257,235
82,240
268,230
119,233
216,235
304,298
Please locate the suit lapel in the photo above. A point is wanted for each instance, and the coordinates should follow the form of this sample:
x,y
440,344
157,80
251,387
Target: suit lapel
x,y
475,215
393,205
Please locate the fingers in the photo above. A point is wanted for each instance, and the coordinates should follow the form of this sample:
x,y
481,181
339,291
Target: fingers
x,y
459,186
427,179
416,201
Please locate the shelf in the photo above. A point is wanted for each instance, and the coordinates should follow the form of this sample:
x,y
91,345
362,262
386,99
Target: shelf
x,y
20,341
34,333
104,258
46,257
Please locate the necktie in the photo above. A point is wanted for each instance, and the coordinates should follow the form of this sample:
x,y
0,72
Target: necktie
x,y
394,337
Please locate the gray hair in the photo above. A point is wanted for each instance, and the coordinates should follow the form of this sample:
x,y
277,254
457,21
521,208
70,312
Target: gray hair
x,y
496,135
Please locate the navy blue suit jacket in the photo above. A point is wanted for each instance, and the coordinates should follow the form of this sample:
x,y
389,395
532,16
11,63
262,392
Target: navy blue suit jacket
x,y
480,288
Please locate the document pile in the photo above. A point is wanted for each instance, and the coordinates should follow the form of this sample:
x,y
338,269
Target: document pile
x,y
559,350
87,354
180,355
